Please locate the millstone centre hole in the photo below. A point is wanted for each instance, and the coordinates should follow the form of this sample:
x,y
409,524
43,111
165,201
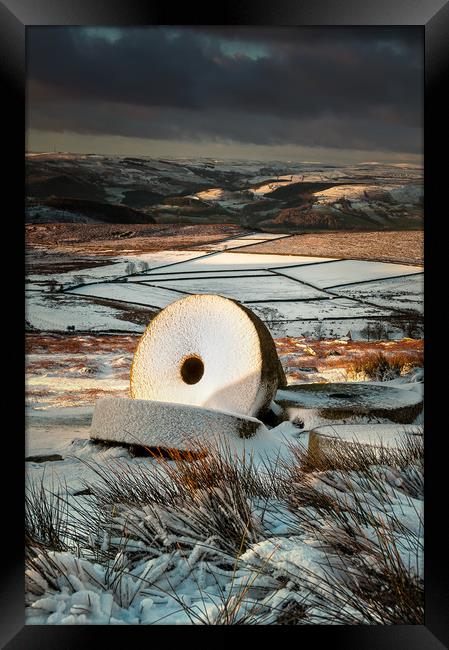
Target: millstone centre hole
x,y
343,395
192,369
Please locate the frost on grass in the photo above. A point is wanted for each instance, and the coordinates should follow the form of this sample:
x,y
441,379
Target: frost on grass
x,y
297,540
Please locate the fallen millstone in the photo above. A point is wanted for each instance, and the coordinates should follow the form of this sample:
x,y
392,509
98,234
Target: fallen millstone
x,y
209,351
317,404
153,424
374,436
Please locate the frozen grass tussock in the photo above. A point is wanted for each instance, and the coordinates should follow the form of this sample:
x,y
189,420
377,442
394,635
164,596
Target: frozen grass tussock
x,y
302,538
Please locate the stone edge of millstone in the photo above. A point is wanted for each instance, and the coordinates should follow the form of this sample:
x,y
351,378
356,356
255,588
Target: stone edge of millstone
x,y
216,423
272,372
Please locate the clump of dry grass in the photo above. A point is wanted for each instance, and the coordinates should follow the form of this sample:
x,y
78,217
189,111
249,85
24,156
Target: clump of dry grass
x,y
359,457
147,509
383,367
352,491
46,517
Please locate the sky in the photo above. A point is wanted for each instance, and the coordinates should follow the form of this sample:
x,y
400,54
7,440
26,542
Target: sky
x,y
336,95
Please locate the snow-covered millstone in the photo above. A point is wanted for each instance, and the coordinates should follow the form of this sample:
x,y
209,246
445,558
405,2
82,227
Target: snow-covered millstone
x,y
160,424
350,401
376,436
209,351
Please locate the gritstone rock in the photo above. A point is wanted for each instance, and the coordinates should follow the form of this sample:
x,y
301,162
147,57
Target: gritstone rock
x,y
377,437
325,403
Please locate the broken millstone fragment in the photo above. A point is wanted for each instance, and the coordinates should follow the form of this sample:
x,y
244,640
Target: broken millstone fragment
x,y
209,351
376,437
166,425
318,403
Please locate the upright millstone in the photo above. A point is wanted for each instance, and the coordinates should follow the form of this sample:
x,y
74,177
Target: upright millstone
x,y
209,351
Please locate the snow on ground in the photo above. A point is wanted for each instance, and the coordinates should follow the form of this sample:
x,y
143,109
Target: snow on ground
x,y
46,441
283,181
156,277
293,302
244,261
167,258
285,561
44,214
353,174
50,312
53,433
245,288
223,198
329,328
187,583
66,431
70,384
403,292
348,271
141,294
332,308
124,265
72,471
45,417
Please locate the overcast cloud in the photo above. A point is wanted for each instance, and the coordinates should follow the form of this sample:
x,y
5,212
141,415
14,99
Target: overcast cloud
x,y
339,89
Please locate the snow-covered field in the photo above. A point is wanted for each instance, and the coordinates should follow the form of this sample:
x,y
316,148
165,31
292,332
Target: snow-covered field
x,y
406,292
160,276
138,294
123,267
348,271
241,288
57,312
286,291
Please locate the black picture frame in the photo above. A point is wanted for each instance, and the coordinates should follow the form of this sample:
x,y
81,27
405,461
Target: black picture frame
x,y
433,17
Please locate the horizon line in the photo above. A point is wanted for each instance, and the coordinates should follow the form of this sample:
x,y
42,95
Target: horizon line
x,y
168,157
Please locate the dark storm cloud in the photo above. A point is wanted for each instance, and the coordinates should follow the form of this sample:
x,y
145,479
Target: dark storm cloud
x,y
351,88
176,124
